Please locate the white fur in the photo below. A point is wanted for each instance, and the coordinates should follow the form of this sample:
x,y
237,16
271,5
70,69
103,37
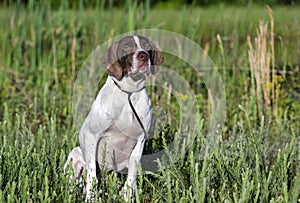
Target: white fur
x,y
112,125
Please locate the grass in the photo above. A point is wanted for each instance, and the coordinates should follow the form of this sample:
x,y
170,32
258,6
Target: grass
x,y
41,51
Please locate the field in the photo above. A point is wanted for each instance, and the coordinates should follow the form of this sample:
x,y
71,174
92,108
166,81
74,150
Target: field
x,y
258,158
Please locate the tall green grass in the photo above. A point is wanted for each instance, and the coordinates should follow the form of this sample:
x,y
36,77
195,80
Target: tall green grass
x,y
41,51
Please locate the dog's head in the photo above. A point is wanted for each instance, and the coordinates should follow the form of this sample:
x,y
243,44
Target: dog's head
x,y
132,55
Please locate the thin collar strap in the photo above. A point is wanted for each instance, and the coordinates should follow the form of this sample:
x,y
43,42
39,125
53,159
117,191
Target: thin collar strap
x,y
125,91
131,105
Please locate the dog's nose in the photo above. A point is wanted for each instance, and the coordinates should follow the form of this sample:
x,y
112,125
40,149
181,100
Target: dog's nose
x,y
143,56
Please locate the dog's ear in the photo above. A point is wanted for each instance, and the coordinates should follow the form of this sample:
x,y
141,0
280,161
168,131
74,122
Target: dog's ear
x,y
156,59
111,62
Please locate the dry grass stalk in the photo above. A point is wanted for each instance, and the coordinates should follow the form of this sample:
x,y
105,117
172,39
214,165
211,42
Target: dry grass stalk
x,y
260,64
272,36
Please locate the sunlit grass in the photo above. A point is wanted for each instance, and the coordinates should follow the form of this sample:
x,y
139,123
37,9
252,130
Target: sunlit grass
x,y
41,51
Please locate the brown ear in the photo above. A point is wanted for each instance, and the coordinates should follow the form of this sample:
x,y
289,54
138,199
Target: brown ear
x,y
111,62
156,59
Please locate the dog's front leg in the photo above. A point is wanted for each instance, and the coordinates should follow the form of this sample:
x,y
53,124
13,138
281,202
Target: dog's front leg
x,y
134,160
90,157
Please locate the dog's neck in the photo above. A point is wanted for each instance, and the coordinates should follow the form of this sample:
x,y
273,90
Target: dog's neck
x,y
130,84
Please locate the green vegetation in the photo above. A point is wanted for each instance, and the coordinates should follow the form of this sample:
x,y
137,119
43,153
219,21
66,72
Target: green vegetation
x,y
41,51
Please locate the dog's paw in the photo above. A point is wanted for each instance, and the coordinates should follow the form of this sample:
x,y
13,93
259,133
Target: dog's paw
x,y
128,192
92,197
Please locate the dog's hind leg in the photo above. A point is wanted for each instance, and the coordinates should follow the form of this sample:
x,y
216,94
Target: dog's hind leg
x,y
78,165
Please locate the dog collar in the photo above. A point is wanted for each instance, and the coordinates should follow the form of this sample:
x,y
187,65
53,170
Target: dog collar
x,y
131,105
125,91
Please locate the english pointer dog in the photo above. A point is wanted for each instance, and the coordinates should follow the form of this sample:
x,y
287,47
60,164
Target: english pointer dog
x,y
120,117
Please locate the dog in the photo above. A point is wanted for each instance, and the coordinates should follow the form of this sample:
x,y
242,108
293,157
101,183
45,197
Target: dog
x,y
115,129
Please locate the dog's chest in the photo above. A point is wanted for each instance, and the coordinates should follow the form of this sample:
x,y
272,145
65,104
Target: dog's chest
x,y
127,122
115,101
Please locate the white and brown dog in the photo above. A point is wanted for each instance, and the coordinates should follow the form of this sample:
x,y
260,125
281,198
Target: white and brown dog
x,y
120,117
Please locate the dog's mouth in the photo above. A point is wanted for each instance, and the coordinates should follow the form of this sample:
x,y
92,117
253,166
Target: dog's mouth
x,y
141,72
143,66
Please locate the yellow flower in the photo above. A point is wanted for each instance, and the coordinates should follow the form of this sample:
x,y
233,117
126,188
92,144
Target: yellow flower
x,y
79,87
3,93
181,96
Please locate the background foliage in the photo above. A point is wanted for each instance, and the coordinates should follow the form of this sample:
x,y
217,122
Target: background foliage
x,y
154,3
42,46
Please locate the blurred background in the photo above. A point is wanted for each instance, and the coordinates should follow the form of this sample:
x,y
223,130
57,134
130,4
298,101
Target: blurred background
x,y
255,46
155,3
